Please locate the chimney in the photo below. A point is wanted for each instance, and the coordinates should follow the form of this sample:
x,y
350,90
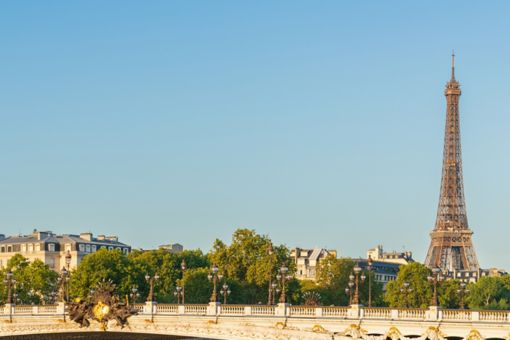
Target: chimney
x,y
101,237
86,236
112,238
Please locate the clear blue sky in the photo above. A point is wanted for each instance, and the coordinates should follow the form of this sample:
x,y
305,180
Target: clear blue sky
x,y
319,123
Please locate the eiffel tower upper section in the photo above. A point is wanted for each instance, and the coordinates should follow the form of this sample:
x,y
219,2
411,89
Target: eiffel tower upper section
x,y
451,213
451,248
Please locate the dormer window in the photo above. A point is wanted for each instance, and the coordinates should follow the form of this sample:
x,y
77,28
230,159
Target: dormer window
x,y
81,247
51,246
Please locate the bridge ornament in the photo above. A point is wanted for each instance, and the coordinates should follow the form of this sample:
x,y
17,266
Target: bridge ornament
x,y
474,335
102,307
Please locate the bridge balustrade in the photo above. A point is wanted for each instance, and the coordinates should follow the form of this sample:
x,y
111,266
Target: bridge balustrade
x,y
376,313
456,315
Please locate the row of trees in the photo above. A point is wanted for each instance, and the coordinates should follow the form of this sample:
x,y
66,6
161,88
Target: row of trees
x,y
247,264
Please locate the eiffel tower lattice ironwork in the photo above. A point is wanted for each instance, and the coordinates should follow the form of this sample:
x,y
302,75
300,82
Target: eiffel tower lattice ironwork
x,y
451,248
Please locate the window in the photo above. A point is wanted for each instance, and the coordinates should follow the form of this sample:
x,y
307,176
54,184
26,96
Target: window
x,y
2,249
37,247
51,246
81,247
87,248
23,247
94,248
126,251
30,247
110,248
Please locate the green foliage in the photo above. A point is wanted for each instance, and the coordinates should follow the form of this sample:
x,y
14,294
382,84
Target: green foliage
x,y
198,289
490,293
102,265
35,281
247,262
333,278
421,291
448,294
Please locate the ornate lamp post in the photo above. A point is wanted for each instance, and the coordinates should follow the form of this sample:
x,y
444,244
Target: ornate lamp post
x,y
214,277
348,291
225,291
134,294
270,295
434,279
179,293
282,275
462,291
10,282
275,291
64,285
369,268
152,281
357,271
183,268
405,290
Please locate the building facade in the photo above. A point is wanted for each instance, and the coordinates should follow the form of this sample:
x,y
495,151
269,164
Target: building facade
x,y
307,261
173,248
53,249
378,254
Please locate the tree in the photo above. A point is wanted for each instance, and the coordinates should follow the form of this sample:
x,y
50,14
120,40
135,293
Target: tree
x,y
489,293
35,281
419,292
247,261
102,265
333,278
198,286
448,294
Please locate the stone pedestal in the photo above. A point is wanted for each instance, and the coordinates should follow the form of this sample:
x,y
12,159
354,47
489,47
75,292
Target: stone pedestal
x,y
213,308
433,313
8,308
150,307
180,309
61,308
355,312
282,309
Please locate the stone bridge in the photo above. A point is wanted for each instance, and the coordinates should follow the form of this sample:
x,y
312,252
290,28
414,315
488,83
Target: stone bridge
x,y
216,321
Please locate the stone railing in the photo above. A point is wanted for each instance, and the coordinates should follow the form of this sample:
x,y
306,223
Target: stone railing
x,y
284,310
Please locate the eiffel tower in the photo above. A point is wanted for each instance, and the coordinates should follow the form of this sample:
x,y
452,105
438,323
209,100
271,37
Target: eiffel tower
x,y
451,248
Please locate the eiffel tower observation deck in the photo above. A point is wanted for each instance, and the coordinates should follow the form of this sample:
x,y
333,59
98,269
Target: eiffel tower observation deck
x,y
451,248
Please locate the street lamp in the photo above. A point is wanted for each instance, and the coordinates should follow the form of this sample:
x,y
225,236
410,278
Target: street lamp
x,y
134,294
68,260
462,292
282,275
405,290
179,293
64,285
225,291
152,281
214,277
10,282
275,291
369,268
270,295
434,279
356,277
348,291
183,268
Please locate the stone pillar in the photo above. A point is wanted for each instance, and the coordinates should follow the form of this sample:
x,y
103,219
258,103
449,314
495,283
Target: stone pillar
x,y
8,308
181,309
475,315
247,310
150,307
35,309
394,314
213,309
318,312
433,313
61,307
355,312
281,309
